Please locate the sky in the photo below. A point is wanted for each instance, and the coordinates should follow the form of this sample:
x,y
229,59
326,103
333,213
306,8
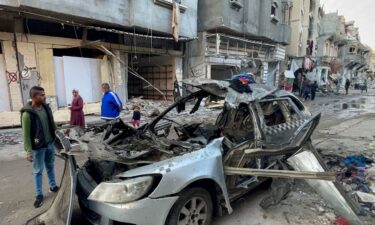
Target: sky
x,y
361,11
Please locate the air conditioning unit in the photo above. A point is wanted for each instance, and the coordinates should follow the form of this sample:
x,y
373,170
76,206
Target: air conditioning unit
x,y
236,4
275,19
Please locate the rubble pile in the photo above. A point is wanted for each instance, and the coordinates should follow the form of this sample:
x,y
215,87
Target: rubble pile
x,y
357,174
148,107
152,108
10,138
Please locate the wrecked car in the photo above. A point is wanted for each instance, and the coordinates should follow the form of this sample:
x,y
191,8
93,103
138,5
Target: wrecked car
x,y
171,173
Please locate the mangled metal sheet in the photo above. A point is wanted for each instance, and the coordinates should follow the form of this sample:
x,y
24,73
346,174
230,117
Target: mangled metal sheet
x,y
307,161
61,210
222,89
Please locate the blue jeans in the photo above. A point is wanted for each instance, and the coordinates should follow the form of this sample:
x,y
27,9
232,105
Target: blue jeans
x,y
44,157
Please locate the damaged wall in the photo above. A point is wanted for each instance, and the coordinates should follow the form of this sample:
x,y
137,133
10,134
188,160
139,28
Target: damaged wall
x,y
120,73
36,57
144,14
161,71
4,88
13,82
44,57
27,62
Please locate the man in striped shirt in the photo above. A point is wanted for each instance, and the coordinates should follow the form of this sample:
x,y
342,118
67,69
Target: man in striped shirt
x,y
111,104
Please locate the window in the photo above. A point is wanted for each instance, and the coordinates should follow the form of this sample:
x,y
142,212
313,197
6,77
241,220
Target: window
x,y
352,50
312,5
277,112
287,9
169,4
274,17
236,123
273,9
326,49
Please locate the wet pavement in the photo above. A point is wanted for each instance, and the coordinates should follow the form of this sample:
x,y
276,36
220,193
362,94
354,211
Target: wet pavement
x,y
356,107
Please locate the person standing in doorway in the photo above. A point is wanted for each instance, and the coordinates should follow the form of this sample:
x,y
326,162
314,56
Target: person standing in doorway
x,y
111,104
38,129
347,85
77,117
314,88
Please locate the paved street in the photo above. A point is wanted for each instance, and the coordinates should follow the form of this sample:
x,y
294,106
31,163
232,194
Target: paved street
x,y
347,127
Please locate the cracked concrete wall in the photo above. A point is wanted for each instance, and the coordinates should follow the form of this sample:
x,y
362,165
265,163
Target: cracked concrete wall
x,y
253,19
44,57
126,13
26,58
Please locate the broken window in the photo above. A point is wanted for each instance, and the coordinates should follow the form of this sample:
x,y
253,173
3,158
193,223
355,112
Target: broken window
x,y
236,123
312,5
273,114
278,112
274,9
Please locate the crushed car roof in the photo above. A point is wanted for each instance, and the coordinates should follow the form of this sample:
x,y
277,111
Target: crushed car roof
x,y
222,89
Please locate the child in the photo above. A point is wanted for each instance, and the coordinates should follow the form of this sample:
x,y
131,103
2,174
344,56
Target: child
x,y
136,121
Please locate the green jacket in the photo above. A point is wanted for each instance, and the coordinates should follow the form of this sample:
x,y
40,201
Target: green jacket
x,y
33,128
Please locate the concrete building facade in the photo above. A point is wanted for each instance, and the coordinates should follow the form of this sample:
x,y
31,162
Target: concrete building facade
x,y
340,48
305,23
62,45
239,37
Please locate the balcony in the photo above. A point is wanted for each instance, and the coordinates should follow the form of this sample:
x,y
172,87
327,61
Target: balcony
x,y
352,59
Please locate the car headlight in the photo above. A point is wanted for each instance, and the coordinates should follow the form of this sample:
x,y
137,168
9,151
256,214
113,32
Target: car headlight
x,y
122,191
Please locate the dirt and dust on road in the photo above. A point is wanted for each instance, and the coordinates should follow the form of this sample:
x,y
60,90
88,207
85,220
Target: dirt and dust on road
x,y
346,129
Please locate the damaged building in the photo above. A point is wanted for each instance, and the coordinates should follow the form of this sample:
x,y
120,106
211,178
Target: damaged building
x,y
62,45
340,49
240,37
325,47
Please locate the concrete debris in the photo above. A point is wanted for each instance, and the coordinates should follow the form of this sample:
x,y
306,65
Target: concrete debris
x,y
307,161
154,113
10,138
370,174
320,210
279,189
365,197
213,143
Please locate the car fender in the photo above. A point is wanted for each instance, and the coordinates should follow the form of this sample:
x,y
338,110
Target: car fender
x,y
179,172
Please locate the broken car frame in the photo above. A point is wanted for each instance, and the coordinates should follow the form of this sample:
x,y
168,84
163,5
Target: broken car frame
x,y
187,174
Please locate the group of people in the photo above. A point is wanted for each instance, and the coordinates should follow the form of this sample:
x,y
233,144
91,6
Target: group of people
x,y
308,89
38,128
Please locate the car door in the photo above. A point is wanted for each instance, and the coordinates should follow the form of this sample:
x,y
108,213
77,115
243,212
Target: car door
x,y
61,210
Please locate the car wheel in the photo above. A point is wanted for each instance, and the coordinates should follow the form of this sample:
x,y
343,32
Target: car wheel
x,y
194,207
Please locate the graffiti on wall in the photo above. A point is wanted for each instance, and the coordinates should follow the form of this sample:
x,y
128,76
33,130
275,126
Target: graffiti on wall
x,y
27,73
12,77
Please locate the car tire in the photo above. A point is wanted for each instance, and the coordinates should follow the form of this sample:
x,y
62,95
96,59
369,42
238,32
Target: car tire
x,y
194,207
